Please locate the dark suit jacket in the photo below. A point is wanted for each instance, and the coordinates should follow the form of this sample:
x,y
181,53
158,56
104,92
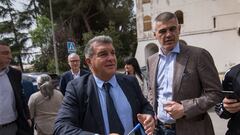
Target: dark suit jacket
x,y
81,113
66,77
15,78
196,85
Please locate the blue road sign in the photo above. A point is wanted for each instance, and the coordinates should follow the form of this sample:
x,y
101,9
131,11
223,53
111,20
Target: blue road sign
x,y
71,47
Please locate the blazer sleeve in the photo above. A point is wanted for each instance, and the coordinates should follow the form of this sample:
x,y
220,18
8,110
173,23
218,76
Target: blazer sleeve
x,y
209,86
222,112
71,113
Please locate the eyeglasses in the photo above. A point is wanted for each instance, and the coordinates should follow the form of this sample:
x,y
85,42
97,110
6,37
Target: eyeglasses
x,y
72,61
170,29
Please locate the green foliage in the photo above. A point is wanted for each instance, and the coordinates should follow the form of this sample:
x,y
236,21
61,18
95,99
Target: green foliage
x,y
13,26
79,21
41,37
121,42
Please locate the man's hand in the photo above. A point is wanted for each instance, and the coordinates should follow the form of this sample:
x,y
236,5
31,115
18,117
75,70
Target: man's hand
x,y
148,123
174,109
231,105
29,122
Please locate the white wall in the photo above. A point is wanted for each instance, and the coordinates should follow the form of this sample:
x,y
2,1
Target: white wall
x,y
222,42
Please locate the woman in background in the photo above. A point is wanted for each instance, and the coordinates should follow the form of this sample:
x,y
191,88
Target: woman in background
x,y
132,68
44,105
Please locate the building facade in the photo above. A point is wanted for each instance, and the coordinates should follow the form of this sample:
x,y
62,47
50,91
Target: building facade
x,y
210,24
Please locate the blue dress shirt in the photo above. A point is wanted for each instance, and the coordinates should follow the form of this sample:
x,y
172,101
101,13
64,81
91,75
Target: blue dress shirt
x,y
120,101
164,82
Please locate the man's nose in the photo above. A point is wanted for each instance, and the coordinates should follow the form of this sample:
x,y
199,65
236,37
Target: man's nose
x,y
111,56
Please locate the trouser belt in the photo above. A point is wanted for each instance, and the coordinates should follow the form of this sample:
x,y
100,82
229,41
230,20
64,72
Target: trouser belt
x,y
166,125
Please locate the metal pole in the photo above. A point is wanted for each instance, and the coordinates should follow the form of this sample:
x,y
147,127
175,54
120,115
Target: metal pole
x,y
53,38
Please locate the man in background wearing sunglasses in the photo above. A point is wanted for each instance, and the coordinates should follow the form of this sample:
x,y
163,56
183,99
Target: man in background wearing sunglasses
x,y
74,72
183,82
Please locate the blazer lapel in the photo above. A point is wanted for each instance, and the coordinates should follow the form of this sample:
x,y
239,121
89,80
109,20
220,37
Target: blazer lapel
x,y
152,70
179,67
154,65
94,103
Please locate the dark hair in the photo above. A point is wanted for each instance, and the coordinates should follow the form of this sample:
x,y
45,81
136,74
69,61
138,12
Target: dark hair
x,y
164,17
133,61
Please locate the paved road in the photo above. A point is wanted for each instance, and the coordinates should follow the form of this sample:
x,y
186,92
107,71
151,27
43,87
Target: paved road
x,y
220,125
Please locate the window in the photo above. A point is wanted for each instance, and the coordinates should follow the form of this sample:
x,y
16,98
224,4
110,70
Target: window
x,y
238,31
179,15
147,24
146,1
214,22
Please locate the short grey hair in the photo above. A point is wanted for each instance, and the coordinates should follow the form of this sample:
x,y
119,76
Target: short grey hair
x,y
72,54
45,85
163,17
88,51
42,79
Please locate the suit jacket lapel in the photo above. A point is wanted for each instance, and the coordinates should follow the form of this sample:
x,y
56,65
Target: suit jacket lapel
x,y
94,103
154,66
153,69
179,67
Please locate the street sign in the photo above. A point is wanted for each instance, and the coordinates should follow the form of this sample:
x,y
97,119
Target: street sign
x,y
71,47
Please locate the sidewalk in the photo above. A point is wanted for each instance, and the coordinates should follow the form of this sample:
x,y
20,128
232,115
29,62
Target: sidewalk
x,y
220,125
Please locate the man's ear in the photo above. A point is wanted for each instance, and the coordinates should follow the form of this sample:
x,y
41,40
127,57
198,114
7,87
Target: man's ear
x,y
154,34
88,62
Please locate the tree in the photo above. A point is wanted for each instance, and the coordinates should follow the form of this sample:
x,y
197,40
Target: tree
x,y
77,19
41,38
12,29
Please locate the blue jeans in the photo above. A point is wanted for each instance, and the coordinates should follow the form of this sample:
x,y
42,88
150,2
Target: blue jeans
x,y
162,130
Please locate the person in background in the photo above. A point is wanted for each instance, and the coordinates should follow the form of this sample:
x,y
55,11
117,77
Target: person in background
x,y
44,105
74,72
103,102
132,68
14,112
28,89
229,108
183,82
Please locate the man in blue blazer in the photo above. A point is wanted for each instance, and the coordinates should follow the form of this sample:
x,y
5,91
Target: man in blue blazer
x,y
74,63
84,110
15,117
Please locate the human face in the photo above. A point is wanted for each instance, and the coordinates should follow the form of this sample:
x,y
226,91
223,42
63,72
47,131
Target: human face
x,y
5,56
103,63
167,33
74,63
129,69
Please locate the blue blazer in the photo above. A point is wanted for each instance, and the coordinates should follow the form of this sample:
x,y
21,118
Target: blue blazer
x,y
15,77
67,77
81,113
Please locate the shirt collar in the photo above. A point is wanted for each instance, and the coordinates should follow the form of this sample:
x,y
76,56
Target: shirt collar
x,y
99,82
176,49
4,71
75,74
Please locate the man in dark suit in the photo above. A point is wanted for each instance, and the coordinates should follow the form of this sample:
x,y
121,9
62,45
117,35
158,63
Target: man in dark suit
x,y
86,106
15,117
183,82
74,63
